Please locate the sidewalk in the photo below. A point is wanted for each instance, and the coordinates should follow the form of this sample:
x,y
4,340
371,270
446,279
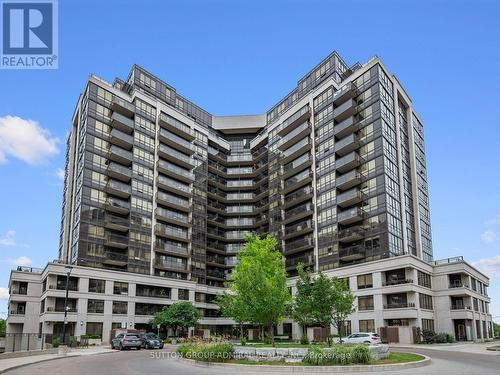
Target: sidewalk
x,y
12,363
465,347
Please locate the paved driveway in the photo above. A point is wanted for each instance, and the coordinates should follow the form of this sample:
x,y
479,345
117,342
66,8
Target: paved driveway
x,y
146,362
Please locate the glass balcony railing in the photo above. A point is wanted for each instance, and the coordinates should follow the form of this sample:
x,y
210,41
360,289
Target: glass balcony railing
x,y
350,216
305,259
119,153
348,162
119,187
303,208
117,239
349,179
173,215
170,152
121,138
294,133
242,221
176,125
120,170
307,224
173,184
122,106
175,140
297,162
297,146
350,197
345,127
164,197
171,264
298,178
171,231
121,122
239,183
239,196
162,164
238,209
298,244
239,157
293,119
117,203
298,194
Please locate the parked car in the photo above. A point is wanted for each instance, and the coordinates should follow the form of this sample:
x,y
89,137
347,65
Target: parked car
x,y
126,341
362,338
150,341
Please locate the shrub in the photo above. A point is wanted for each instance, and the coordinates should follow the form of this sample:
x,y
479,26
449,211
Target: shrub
x,y
304,340
56,341
443,337
243,340
329,339
72,342
207,352
338,355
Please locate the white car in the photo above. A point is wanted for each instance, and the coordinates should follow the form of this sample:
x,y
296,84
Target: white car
x,y
362,338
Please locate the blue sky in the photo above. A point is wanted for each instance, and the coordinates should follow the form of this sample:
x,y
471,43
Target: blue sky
x,y
238,57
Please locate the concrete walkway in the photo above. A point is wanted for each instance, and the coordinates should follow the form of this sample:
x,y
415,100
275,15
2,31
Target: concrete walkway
x,y
12,363
462,347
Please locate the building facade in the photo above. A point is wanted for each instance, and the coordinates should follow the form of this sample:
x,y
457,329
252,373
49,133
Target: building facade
x,y
158,188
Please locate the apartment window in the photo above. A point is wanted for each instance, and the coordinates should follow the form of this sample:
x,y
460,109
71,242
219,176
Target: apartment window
x,y
94,329
425,301
72,283
365,281
428,325
367,325
152,291
97,286
120,288
424,279
116,325
95,306
365,303
476,305
183,294
120,307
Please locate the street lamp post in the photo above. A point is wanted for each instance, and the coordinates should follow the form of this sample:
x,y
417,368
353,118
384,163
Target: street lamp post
x,y
65,325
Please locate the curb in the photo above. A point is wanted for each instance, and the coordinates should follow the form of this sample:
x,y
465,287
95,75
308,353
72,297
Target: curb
x,y
310,369
15,367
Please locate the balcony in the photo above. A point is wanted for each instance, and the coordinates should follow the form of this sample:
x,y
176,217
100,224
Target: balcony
x,y
117,223
294,120
216,274
298,196
298,212
346,92
172,249
119,172
351,234
350,197
171,232
399,305
175,156
350,216
115,259
296,166
397,282
173,186
346,127
175,171
460,306
175,126
176,142
298,229
172,217
306,260
172,201
352,253
299,245
117,205
240,222
292,137
116,240
171,265
122,106
218,261
120,155
345,110
348,162
121,139
297,181
239,158
296,150
118,121
347,144
118,188
348,180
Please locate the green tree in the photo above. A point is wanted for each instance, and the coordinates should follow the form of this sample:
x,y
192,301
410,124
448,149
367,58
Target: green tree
x,y
257,291
2,327
178,315
314,299
496,329
344,304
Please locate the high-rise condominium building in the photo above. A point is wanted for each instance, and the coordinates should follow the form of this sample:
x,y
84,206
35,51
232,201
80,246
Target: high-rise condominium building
x,y
159,194
157,185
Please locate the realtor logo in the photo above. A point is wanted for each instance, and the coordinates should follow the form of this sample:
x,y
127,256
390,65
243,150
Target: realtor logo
x,y
29,35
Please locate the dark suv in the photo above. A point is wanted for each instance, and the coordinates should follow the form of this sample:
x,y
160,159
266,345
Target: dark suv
x,y
151,341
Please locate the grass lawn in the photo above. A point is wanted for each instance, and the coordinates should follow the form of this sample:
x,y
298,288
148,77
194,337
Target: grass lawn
x,y
400,358
393,358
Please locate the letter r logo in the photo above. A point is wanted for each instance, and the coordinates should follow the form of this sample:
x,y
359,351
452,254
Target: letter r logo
x,y
27,28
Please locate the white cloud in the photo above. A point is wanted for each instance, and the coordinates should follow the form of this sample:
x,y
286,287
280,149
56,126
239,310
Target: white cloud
x,y
25,140
60,174
4,293
8,239
490,266
488,236
21,261
494,221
